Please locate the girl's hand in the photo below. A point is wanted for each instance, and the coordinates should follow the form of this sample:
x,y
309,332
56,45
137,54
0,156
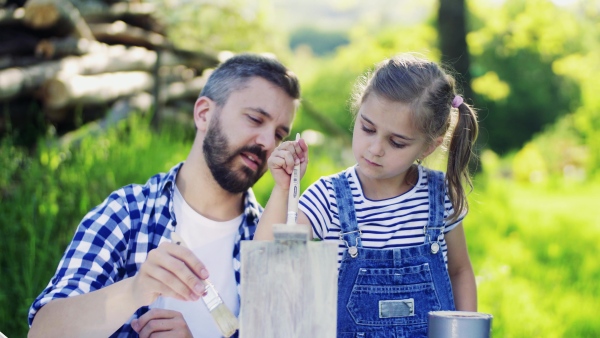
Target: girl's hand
x,y
282,160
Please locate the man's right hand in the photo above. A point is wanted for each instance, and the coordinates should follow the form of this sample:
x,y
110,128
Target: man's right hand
x,y
170,271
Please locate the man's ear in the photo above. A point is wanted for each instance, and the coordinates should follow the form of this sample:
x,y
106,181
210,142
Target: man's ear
x,y
432,146
203,109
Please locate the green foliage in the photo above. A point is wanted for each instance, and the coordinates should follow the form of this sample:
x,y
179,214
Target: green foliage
x,y
534,257
22,121
328,82
518,46
533,250
584,68
321,42
532,226
233,25
43,197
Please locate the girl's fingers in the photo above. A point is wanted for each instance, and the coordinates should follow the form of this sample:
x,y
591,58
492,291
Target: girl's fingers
x,y
284,159
296,148
301,149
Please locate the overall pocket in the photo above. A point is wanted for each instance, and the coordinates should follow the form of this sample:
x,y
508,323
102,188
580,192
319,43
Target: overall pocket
x,y
393,296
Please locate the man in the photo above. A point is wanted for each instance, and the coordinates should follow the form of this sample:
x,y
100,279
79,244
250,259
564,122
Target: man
x,y
121,258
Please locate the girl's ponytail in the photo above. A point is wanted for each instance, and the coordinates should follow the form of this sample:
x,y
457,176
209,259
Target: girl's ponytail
x,y
459,154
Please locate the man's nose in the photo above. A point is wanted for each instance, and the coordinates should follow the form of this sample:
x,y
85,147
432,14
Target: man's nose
x,y
267,141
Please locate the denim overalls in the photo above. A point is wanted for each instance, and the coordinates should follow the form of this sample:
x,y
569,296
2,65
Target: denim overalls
x,y
389,292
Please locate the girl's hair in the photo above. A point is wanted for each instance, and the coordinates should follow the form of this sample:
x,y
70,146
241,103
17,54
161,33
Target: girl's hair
x,y
429,90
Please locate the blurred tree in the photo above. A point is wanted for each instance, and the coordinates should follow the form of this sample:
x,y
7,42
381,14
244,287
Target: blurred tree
x,y
452,32
321,42
512,56
233,25
329,89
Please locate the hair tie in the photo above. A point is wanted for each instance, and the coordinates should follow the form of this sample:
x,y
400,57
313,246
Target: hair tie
x,y
457,101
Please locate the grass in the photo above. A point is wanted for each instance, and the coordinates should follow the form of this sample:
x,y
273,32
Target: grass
x,y
533,247
534,251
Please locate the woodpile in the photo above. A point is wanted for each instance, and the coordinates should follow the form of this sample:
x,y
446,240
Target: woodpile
x,y
71,59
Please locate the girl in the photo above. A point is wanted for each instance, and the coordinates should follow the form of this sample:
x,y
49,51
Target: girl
x,y
402,248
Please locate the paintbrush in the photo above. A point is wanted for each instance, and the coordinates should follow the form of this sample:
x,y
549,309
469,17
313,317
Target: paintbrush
x,y
294,193
291,231
225,319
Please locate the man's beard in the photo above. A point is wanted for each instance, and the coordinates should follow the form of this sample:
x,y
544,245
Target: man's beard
x,y
221,161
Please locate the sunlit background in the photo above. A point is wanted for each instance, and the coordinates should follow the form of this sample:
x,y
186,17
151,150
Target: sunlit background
x,y
530,67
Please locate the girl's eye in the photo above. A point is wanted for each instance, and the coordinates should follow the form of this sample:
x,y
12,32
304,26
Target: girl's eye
x,y
397,145
367,130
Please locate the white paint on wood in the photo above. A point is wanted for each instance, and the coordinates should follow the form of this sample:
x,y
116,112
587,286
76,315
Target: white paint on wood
x,y
288,288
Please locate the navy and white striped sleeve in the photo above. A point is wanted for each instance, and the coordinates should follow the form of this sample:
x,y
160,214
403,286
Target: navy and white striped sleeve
x,y
314,203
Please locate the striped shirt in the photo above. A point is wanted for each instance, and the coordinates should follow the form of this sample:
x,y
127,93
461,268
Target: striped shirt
x,y
395,222
114,239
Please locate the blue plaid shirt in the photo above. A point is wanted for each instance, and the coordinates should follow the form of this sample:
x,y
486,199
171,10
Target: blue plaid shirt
x,y
114,239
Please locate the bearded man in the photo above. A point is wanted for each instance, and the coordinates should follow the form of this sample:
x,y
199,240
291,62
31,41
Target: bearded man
x,y
121,275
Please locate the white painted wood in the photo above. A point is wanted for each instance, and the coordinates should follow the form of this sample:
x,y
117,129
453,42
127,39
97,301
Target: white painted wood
x,y
288,287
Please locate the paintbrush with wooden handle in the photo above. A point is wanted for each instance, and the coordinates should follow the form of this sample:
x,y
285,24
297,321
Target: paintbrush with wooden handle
x,y
225,319
291,231
294,193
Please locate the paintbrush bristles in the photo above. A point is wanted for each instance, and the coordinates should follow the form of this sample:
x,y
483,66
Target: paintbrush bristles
x,y
223,317
227,322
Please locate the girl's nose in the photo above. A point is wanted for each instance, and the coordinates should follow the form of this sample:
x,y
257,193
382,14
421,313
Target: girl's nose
x,y
376,148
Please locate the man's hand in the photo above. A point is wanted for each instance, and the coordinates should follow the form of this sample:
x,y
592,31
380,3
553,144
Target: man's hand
x,y
161,323
171,271
282,160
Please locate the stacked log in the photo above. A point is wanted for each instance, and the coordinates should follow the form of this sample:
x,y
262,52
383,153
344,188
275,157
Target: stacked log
x,y
67,55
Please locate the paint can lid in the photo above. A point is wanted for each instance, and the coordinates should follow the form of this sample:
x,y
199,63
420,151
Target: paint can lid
x,y
463,324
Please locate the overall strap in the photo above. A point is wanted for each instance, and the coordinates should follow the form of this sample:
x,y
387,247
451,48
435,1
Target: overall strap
x,y
437,195
349,233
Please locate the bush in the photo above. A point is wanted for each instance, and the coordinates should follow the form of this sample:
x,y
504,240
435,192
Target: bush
x,y
43,197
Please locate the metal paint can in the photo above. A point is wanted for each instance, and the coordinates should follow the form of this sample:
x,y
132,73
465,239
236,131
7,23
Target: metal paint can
x,y
459,324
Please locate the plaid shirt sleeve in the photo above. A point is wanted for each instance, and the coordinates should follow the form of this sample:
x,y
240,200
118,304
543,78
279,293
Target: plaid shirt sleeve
x,y
97,254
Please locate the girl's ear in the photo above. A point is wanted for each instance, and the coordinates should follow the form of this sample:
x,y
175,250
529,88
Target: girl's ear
x,y
203,109
432,146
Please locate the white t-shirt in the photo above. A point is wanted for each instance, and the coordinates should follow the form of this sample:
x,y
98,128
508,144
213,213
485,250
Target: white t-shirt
x,y
212,242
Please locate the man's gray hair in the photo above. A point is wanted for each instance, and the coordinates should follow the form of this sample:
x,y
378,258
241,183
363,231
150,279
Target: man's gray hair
x,y
233,74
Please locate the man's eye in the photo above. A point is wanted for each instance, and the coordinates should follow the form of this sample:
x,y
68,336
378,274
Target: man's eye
x,y
367,130
254,119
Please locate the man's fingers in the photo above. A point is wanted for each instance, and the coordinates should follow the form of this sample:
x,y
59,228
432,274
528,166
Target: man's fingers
x,y
141,322
174,276
155,326
176,272
169,285
160,322
187,256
